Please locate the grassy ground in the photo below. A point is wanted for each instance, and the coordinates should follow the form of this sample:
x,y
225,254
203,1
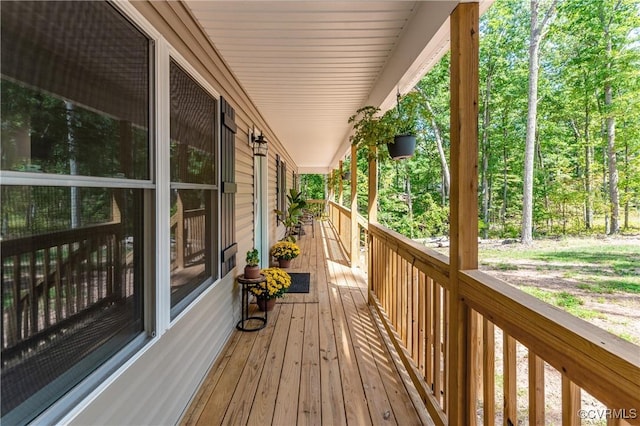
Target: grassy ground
x,y
597,279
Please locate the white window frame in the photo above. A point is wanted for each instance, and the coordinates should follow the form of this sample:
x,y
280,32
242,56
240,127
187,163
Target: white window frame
x,y
73,402
157,291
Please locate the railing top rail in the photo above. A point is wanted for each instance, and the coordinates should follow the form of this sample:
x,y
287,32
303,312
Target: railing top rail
x,y
12,247
419,252
603,364
362,221
342,208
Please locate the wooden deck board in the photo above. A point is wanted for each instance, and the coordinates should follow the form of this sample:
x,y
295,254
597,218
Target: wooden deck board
x,y
309,411
321,360
242,400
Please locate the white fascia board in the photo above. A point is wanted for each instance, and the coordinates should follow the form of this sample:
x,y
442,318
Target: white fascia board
x,y
422,44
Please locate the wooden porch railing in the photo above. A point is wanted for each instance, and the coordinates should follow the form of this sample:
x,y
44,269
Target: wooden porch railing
x,y
188,229
340,217
48,279
409,287
317,207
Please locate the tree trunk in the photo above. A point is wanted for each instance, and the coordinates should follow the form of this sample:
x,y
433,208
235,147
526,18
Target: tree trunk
x,y
536,37
505,185
545,185
626,186
409,199
532,116
485,157
588,202
73,165
439,143
588,155
614,199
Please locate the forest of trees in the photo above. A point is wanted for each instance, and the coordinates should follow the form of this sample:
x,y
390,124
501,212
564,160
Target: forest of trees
x,y
559,127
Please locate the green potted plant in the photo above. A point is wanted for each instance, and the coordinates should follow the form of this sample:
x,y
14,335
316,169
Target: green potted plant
x,y
277,284
291,217
403,125
284,251
369,129
396,129
252,268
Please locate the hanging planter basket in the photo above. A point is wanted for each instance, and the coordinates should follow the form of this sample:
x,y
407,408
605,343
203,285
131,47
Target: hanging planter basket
x,y
403,146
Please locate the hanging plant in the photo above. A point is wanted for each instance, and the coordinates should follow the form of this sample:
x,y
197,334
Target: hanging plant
x,y
396,129
404,140
369,129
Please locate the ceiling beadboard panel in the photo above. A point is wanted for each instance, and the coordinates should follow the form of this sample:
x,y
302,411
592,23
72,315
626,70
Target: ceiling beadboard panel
x,y
309,65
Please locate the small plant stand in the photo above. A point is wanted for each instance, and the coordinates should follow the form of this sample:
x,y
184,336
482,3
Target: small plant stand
x,y
247,284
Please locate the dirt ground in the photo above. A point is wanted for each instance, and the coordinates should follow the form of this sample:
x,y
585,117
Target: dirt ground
x,y
620,312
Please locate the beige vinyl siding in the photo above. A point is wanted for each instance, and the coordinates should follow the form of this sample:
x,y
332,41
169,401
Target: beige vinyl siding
x,y
157,387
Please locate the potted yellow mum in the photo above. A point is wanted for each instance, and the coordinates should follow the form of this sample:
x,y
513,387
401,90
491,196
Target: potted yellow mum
x,y
277,284
284,251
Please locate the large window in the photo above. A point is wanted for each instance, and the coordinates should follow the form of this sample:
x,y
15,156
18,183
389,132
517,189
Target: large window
x,y
76,173
193,188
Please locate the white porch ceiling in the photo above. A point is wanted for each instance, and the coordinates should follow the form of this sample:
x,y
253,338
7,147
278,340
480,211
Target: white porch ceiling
x,y
309,65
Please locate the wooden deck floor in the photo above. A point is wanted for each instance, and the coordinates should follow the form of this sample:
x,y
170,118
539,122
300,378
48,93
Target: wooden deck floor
x,y
321,360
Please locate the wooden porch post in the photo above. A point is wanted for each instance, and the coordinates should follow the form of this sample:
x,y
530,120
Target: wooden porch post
x,y
373,184
355,234
372,210
330,185
340,182
464,205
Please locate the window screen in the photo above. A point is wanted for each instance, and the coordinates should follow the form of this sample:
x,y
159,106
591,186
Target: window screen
x,y
75,102
193,190
75,90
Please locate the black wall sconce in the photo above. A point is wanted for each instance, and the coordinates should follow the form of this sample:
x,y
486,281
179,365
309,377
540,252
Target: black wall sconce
x,y
258,143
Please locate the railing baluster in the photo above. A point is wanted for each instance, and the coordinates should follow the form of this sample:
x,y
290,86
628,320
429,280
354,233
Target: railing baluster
x,y
489,372
58,283
422,338
415,315
437,342
509,388
570,402
32,326
17,301
475,353
536,390
79,273
68,283
46,296
429,330
100,270
402,300
446,302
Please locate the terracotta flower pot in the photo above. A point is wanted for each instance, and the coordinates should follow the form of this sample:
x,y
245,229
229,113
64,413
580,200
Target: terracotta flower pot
x,y
284,263
251,272
266,304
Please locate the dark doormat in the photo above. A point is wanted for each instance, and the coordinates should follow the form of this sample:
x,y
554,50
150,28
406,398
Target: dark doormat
x,y
299,282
